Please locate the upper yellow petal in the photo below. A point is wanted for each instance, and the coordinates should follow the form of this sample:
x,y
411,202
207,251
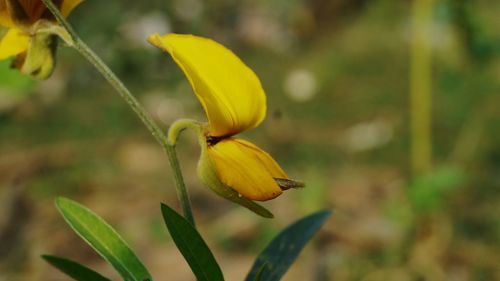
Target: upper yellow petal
x,y
13,43
246,168
229,91
67,6
28,12
25,12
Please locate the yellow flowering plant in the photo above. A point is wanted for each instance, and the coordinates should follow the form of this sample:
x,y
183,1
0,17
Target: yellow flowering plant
x,y
30,34
234,101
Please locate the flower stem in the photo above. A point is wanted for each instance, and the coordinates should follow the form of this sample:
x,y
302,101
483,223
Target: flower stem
x,y
180,125
145,117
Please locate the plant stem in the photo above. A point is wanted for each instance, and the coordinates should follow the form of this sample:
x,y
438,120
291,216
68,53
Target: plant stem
x,y
173,134
145,117
421,88
180,125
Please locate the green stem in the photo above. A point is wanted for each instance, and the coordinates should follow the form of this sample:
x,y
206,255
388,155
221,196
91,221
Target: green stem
x,y
180,125
152,126
173,134
182,193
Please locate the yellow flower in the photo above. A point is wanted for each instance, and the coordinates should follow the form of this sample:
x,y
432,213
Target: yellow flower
x,y
27,23
234,101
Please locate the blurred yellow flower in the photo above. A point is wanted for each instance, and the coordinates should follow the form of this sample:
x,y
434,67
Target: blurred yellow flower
x,y
234,101
26,35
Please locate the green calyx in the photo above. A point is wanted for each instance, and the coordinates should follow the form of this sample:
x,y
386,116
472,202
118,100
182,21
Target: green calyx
x,y
39,60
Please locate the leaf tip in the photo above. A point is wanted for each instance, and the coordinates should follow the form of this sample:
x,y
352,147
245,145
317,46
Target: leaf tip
x,y
61,201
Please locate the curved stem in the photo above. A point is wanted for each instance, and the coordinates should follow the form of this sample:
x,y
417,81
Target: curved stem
x,y
145,117
180,125
173,134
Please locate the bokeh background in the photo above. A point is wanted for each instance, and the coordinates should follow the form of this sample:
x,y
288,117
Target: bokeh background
x,y
337,78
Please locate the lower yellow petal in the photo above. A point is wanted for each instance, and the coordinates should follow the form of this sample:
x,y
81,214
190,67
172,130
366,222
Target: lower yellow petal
x,y
68,6
13,43
247,169
209,176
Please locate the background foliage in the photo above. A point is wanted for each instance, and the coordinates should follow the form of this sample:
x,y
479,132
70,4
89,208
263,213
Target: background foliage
x,y
336,75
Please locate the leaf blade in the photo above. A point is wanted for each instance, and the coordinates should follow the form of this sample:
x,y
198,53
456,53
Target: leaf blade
x,y
192,247
74,269
282,251
104,239
258,275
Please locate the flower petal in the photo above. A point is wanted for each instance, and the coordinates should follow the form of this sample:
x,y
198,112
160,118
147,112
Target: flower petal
x,y
68,6
25,12
207,172
13,43
5,19
229,91
28,12
247,169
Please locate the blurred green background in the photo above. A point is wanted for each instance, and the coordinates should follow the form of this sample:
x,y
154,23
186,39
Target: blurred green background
x,y
337,78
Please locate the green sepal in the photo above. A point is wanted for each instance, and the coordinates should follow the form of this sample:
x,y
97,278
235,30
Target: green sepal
x,y
39,60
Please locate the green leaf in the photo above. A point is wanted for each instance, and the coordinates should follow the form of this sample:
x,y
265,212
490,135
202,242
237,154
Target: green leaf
x,y
73,269
279,255
258,276
191,245
104,239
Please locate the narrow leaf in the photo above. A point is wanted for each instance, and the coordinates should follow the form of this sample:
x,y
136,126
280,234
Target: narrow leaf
x,y
192,247
74,270
258,276
104,239
279,255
